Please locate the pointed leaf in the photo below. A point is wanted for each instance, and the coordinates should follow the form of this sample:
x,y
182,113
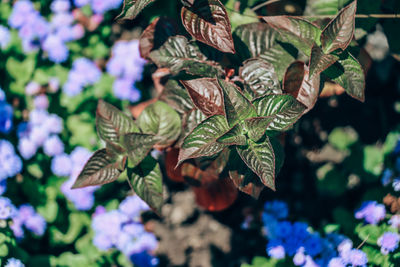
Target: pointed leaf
x,y
138,145
155,35
132,8
237,106
207,21
299,32
247,182
190,120
234,136
298,84
161,120
348,73
260,77
102,168
285,110
176,96
279,57
257,126
177,55
319,61
146,181
260,158
201,141
206,95
254,39
339,32
112,123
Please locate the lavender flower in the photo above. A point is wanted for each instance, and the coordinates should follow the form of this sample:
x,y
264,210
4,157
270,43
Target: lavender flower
x,y
337,262
27,216
102,6
53,146
277,252
299,258
10,163
13,262
41,102
7,209
386,177
371,212
357,258
61,165
54,84
395,221
83,73
5,37
32,88
27,148
59,6
6,116
388,242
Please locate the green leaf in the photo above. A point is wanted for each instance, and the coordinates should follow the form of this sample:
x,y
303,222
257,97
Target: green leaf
x,y
138,145
259,76
202,141
280,57
234,136
21,71
370,233
348,73
299,32
161,120
206,95
260,158
373,160
257,126
207,21
339,32
102,168
319,61
284,109
237,106
111,123
146,181
176,96
343,138
177,55
132,8
324,7
239,17
190,120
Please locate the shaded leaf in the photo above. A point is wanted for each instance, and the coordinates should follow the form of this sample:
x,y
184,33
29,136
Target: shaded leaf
x,y
234,136
298,84
284,109
111,123
103,167
348,73
260,158
206,95
176,96
237,106
190,120
201,141
161,120
257,126
339,32
208,22
279,57
247,181
138,145
259,76
299,32
319,61
177,55
132,8
324,7
155,35
146,181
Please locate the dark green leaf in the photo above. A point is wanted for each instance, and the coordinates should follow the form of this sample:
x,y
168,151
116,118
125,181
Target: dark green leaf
x,y
132,8
190,120
284,109
234,136
348,73
237,106
177,55
257,126
102,168
111,123
206,95
259,76
319,61
146,181
279,57
161,120
260,158
299,32
208,22
138,145
339,32
201,141
177,97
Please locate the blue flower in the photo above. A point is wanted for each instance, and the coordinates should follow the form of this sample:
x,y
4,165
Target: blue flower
x,y
3,186
386,177
276,208
283,229
13,262
144,259
6,116
313,245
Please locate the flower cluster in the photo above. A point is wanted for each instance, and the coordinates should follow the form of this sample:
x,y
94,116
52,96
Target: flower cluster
x,y
7,209
6,112
127,66
10,163
5,37
371,212
27,217
123,230
99,6
13,262
83,73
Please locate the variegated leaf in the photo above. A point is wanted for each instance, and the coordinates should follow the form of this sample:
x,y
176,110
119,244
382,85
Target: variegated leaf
x,y
234,136
138,145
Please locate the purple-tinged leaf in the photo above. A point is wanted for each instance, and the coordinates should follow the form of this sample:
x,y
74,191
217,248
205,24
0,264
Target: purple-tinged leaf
x,y
234,136
138,145
207,21
247,181
237,106
176,97
319,61
190,120
298,84
132,8
102,168
257,126
206,95
279,57
339,32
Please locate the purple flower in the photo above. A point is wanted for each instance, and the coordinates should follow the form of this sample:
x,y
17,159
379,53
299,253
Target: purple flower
x,y
32,88
27,148
357,257
55,48
102,6
388,242
58,6
36,224
132,206
38,116
7,209
371,212
10,163
81,3
310,262
6,116
53,124
396,184
21,10
5,37
277,252
38,135
41,102
54,84
102,242
395,221
62,20
61,165
13,262
53,146
337,262
299,258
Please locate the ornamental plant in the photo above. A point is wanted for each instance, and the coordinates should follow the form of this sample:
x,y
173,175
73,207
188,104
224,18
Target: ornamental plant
x,y
226,97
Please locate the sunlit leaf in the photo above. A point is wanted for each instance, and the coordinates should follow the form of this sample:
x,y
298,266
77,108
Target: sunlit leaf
x,y
190,120
234,136
146,180
102,168
176,96
206,95
339,32
237,106
207,21
319,61
138,145
260,158
132,8
257,126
